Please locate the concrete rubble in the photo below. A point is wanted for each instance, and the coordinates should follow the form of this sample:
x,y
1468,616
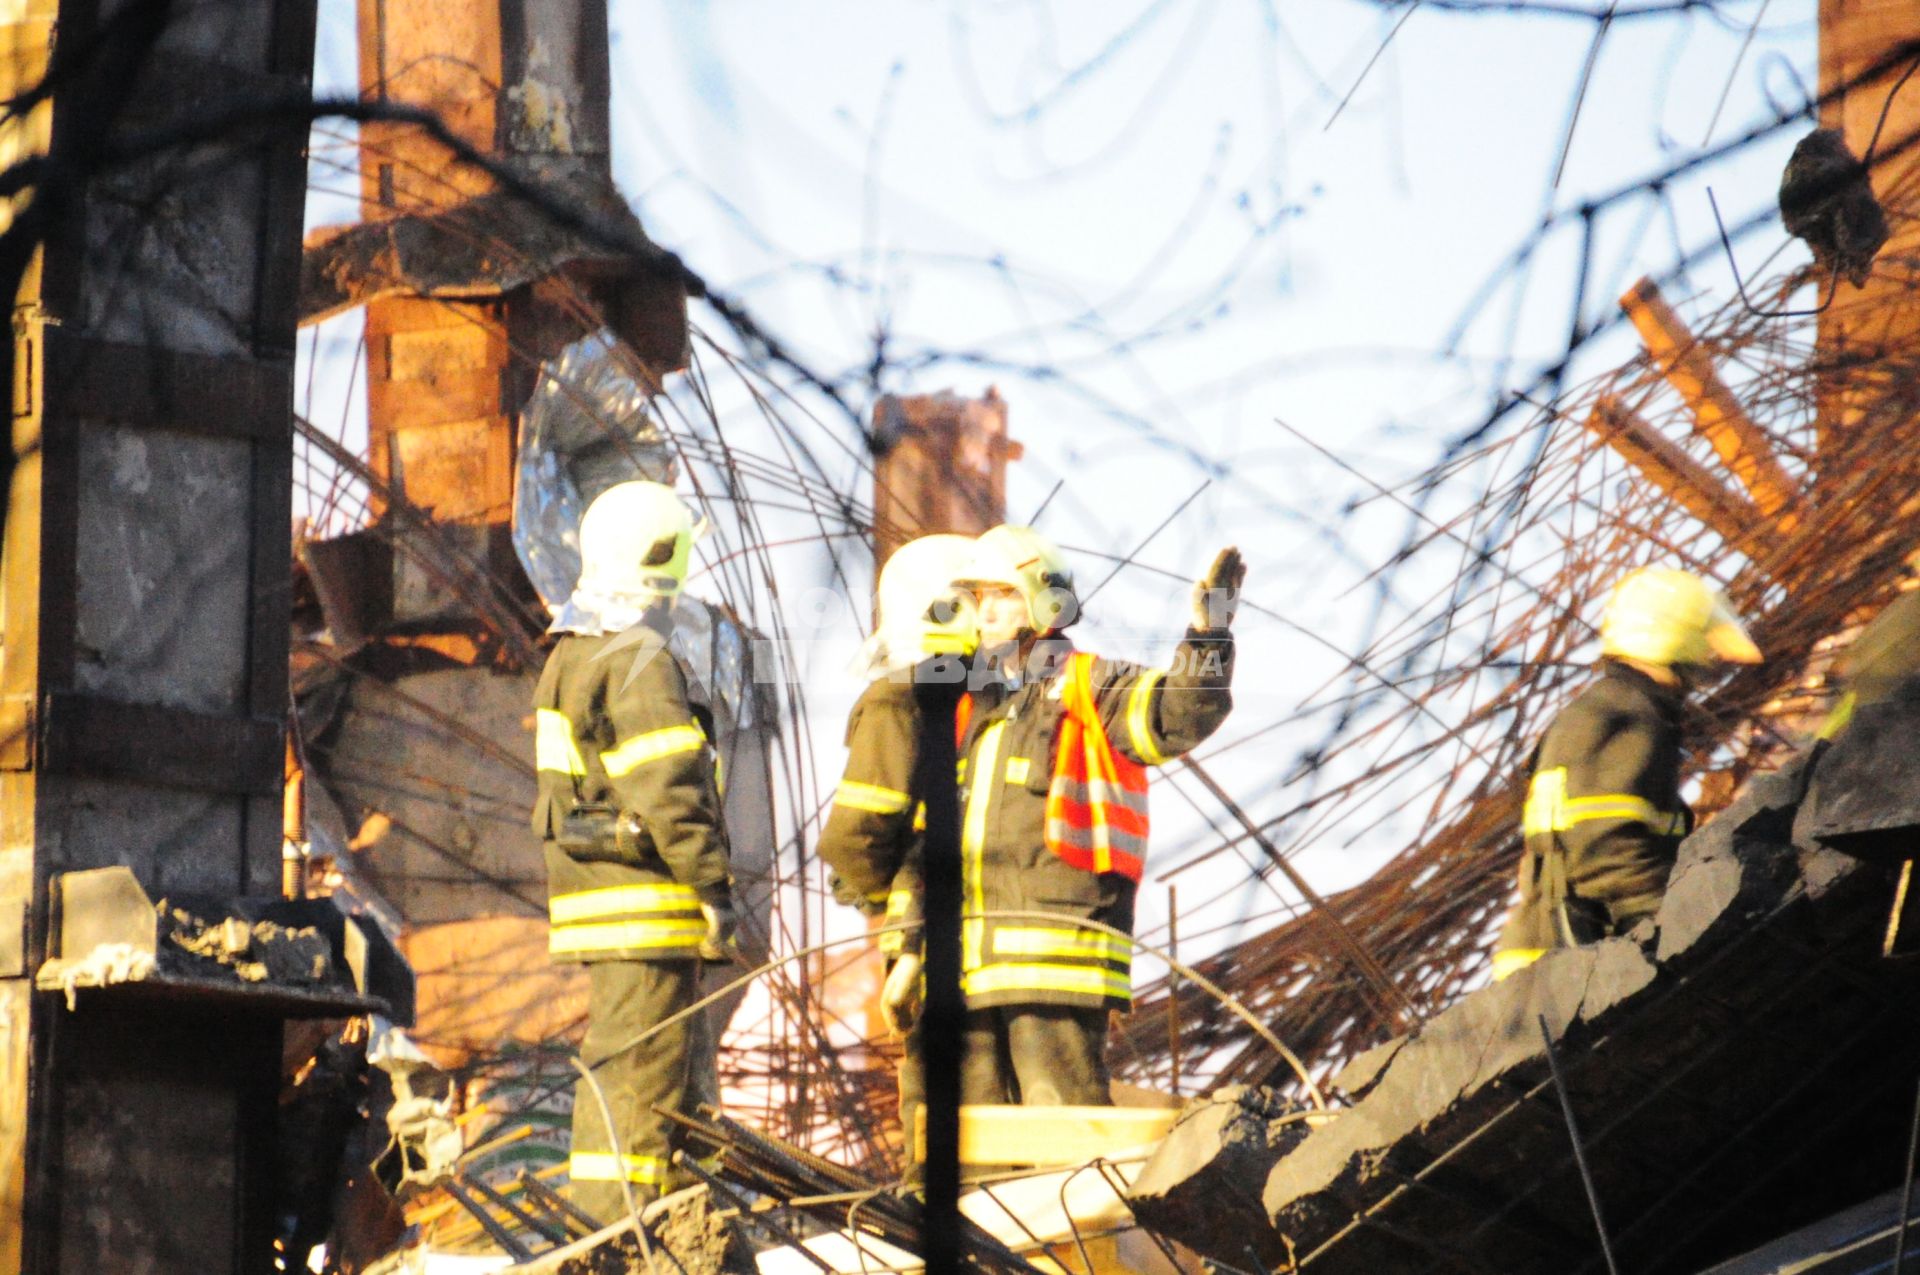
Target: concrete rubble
x,y
1694,1049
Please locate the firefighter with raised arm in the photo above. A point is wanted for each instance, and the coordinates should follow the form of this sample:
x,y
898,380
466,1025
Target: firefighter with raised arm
x,y
873,833
1055,746
1603,818
629,811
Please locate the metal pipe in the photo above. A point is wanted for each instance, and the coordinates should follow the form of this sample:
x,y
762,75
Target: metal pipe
x,y
1398,1006
943,1022
1173,989
553,1232
499,1234
745,1212
555,1202
1579,1149
1906,1187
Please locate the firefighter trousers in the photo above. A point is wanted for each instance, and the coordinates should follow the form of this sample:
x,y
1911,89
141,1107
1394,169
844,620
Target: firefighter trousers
x,y
625,999
1037,1055
1031,1055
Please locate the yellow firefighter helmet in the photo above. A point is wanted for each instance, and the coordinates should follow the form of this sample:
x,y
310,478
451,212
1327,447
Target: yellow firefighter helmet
x,y
1660,615
636,540
1022,559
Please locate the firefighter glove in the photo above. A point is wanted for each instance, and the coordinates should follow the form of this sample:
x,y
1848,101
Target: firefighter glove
x,y
721,923
900,998
1216,595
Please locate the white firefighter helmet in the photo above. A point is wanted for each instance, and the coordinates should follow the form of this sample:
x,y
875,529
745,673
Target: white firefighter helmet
x,y
1022,559
921,612
636,540
1661,615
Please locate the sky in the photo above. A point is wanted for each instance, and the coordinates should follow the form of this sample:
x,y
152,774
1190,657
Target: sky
x,y
1145,224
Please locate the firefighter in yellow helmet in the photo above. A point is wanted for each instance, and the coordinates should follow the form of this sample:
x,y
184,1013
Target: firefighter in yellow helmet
x,y
874,827
1603,817
1054,748
639,887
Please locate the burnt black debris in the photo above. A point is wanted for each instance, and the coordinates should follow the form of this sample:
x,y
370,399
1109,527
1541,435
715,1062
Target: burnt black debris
x,y
1826,199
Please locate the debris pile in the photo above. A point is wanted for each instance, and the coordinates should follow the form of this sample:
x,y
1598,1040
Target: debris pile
x,y
1750,1028
255,951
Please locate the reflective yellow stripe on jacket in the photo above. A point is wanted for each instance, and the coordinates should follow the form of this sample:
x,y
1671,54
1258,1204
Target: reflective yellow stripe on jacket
x,y
652,745
1090,945
553,743
871,798
657,919
973,839
1049,958
1550,810
1083,980
899,908
1140,717
605,1166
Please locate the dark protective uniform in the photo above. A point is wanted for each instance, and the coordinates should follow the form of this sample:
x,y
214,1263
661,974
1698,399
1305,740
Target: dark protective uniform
x,y
1604,818
1881,664
873,837
630,814
1039,991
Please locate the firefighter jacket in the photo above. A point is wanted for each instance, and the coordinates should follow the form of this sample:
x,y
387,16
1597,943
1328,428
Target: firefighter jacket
x,y
1604,818
1053,814
622,742
1883,662
874,827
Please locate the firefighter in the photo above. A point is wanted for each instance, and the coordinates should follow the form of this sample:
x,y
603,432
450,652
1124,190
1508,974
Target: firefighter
x,y
1604,818
637,861
1054,750
1880,664
872,837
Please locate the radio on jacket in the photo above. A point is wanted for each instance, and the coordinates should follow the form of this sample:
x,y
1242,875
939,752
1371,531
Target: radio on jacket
x,y
602,834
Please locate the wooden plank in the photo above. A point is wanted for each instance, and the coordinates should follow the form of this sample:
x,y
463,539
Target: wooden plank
x,y
1686,481
1717,415
154,744
147,387
991,1134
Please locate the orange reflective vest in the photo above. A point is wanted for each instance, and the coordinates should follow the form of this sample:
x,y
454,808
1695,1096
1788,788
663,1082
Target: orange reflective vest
x,y
1096,814
1097,800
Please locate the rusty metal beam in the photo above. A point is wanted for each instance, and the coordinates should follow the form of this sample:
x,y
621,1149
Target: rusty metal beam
x,y
1685,480
1397,1008
1717,415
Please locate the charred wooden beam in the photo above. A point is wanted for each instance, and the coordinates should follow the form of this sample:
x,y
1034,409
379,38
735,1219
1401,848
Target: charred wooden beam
x,y
82,734
495,244
147,387
1717,415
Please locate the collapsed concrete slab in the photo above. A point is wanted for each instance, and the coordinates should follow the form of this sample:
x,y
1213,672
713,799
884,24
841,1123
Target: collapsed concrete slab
x,y
1212,1165
1735,1066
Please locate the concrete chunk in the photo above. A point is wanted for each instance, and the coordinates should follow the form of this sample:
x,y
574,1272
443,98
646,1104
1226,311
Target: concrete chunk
x,y
1202,1185
1454,1153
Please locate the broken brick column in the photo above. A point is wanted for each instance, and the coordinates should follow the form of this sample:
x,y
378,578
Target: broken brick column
x,y
940,465
449,368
